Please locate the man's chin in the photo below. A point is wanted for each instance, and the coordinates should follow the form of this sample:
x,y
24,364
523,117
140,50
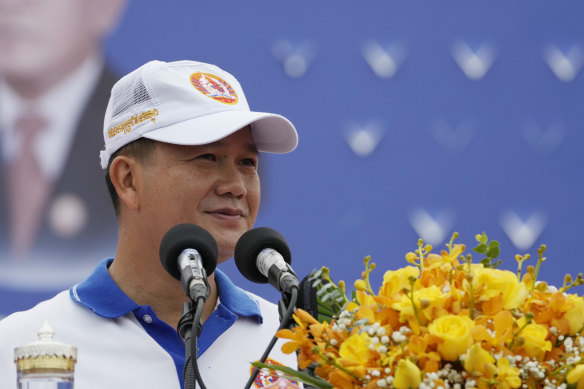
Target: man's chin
x,y
226,245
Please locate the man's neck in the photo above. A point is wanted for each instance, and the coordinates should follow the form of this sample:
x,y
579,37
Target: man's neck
x,y
148,284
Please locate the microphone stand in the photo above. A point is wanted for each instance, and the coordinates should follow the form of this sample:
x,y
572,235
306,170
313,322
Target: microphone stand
x,y
188,324
286,307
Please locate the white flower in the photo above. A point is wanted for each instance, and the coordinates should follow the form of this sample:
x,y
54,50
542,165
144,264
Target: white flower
x,y
405,330
568,343
398,337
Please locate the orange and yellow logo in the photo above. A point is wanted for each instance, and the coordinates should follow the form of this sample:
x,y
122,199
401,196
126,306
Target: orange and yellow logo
x,y
268,378
214,87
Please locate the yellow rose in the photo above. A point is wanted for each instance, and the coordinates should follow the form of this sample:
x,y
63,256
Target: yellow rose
x,y
477,359
534,335
407,375
489,283
576,314
455,331
355,348
576,375
395,281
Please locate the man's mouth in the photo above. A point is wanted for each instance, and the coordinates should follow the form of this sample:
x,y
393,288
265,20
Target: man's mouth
x,y
227,213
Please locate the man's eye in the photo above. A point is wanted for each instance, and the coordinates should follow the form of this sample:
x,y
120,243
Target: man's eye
x,y
210,157
249,162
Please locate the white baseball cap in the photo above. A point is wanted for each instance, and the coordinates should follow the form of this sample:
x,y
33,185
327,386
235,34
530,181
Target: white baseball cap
x,y
187,103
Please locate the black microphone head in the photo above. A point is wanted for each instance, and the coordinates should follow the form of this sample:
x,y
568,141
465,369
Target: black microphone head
x,y
251,244
187,236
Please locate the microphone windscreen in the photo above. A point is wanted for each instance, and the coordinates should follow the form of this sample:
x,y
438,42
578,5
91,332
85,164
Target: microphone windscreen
x,y
251,244
187,236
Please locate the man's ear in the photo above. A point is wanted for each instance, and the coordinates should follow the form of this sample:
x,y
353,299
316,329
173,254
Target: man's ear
x,y
123,174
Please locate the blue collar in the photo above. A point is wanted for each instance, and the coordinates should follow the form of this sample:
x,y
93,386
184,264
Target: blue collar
x,y
236,299
103,296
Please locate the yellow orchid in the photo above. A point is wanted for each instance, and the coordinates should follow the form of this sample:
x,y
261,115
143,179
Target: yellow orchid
x,y
477,359
407,375
427,301
395,281
534,339
507,375
355,348
575,314
576,376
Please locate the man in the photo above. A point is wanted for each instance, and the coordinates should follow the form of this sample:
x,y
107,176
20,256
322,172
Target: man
x,y
54,87
174,153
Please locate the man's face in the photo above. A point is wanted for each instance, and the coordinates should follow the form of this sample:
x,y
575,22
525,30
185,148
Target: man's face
x,y
215,186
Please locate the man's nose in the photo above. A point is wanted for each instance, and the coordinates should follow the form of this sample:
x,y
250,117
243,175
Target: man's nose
x,y
231,182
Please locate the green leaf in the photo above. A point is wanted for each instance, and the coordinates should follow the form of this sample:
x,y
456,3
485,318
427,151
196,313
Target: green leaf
x,y
493,252
481,248
304,377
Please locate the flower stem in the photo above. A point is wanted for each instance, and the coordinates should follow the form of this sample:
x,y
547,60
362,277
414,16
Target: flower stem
x,y
540,251
411,296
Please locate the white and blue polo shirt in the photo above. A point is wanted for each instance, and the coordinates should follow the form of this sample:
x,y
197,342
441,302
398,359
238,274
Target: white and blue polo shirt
x,y
123,345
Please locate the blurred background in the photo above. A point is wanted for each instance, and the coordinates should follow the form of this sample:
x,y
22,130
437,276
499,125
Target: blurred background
x,y
416,119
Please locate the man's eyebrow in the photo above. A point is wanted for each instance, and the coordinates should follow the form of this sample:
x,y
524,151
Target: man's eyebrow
x,y
251,147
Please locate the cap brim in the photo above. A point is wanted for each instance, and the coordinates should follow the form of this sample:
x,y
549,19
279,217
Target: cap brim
x,y
271,133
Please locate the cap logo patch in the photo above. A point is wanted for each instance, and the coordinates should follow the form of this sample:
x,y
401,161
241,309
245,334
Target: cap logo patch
x,y
214,87
126,126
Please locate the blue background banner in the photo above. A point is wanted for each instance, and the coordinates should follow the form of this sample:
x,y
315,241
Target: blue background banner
x,y
415,118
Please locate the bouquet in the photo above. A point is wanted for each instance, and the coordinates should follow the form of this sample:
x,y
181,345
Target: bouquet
x,y
443,322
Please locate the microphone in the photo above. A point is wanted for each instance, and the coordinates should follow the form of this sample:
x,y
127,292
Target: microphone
x,y
262,255
189,254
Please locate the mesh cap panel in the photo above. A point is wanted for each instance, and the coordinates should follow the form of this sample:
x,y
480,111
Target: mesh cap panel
x,y
128,94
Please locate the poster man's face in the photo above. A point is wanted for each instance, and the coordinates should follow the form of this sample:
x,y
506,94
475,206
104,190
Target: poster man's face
x,y
42,37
